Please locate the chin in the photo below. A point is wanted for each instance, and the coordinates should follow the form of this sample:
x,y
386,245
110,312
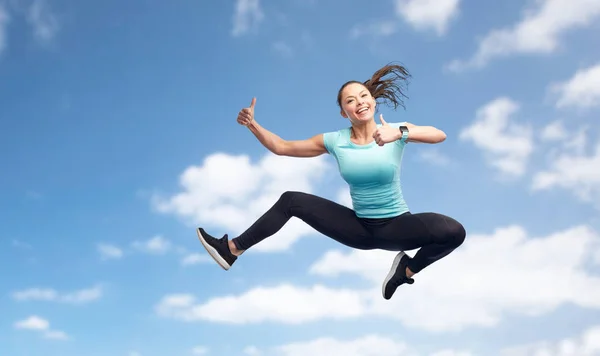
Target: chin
x,y
365,119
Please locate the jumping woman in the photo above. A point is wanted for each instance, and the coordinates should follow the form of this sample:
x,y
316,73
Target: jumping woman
x,y
369,157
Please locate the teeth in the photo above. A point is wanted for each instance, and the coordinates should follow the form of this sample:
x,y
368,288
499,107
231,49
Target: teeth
x,y
362,110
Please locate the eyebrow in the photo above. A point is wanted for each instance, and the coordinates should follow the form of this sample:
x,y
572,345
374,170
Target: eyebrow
x,y
350,96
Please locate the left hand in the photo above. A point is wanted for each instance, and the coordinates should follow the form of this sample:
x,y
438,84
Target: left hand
x,y
386,133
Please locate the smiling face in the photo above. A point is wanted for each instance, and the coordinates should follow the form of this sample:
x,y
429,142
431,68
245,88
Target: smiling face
x,y
357,103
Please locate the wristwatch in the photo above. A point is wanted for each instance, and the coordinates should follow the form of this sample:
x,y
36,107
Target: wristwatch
x,y
404,131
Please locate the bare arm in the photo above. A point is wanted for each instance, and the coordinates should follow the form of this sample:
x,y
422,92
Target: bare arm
x,y
425,134
311,147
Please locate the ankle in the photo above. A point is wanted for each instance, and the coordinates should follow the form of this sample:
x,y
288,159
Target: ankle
x,y
409,273
233,249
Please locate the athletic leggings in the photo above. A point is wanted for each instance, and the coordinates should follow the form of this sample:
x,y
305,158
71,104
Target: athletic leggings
x,y
436,235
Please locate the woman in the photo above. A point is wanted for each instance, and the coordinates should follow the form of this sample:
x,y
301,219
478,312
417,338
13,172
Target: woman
x,y
369,156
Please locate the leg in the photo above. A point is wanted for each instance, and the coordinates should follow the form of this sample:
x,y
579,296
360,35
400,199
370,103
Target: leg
x,y
436,235
445,235
329,218
325,216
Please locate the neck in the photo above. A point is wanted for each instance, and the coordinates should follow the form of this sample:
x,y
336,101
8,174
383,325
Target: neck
x,y
362,133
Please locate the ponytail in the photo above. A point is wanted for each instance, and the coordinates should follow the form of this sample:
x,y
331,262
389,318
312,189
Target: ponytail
x,y
388,83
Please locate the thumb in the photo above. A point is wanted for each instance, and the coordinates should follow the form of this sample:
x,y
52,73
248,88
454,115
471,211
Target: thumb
x,y
253,103
382,120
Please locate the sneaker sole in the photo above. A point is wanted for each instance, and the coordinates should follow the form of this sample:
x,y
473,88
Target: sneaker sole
x,y
391,272
212,252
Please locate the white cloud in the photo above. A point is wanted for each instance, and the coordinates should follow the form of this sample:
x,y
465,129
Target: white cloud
x,y
266,304
230,192
572,169
507,145
42,20
428,14
554,131
108,251
51,295
248,15
154,245
367,345
586,344
194,259
33,323
514,273
451,353
538,32
252,351
422,15
200,350
4,20
41,325
582,90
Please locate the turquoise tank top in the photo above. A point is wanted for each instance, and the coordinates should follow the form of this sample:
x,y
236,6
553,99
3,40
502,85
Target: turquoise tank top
x,y
372,173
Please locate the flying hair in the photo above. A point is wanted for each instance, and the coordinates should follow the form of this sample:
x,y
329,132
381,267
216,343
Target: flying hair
x,y
388,83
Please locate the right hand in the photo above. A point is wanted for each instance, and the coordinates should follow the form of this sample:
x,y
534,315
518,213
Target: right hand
x,y
246,115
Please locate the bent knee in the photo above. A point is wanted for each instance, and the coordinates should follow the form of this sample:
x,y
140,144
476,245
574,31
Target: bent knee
x,y
288,196
455,231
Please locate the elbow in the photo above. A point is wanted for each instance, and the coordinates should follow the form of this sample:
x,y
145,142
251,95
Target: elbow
x,y
279,148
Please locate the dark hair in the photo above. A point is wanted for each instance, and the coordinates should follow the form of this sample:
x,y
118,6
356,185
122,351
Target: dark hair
x,y
390,89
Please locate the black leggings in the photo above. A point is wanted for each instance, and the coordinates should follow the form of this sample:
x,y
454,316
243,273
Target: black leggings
x,y
436,235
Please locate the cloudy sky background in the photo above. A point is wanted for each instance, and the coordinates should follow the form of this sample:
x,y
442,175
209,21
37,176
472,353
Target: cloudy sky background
x,y
119,138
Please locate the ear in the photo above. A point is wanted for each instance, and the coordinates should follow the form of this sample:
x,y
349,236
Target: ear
x,y
343,113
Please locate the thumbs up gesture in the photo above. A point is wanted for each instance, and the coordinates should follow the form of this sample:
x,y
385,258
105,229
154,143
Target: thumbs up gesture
x,y
386,133
246,115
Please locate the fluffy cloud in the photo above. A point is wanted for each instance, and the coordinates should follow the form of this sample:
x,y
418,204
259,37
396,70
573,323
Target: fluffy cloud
x,y
367,345
571,168
262,304
108,251
554,131
582,90
155,245
42,20
422,15
230,192
586,344
506,144
82,296
248,15
38,324
538,32
487,277
428,14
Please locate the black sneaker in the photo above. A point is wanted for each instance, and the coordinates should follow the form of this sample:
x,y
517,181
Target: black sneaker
x,y
396,276
217,248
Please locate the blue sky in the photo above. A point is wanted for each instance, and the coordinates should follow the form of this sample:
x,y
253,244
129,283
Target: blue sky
x,y
119,137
